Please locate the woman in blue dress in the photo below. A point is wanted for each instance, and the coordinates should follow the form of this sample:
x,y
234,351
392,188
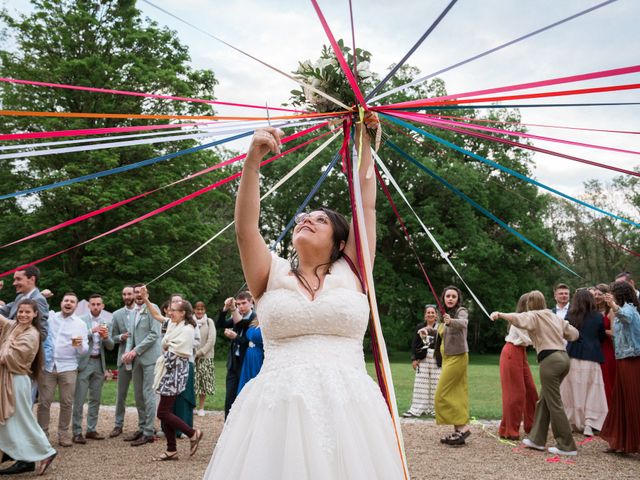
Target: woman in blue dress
x,y
254,357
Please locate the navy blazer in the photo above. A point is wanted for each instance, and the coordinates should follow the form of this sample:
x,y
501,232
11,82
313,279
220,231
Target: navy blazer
x,y
587,347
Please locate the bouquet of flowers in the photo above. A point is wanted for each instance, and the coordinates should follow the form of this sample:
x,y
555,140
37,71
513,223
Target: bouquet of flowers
x,y
327,76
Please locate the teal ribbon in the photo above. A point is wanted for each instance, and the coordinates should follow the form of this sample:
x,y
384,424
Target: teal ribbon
x,y
476,205
507,170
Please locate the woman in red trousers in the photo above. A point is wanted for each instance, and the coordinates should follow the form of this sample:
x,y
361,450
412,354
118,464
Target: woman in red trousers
x,y
519,395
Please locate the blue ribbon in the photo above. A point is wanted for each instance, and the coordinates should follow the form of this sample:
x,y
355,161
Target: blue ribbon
x,y
508,170
306,201
124,168
476,205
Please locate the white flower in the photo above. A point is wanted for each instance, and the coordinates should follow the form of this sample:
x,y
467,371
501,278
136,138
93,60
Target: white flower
x,y
323,62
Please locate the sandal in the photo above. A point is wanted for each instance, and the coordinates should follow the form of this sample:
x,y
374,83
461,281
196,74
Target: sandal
x,y
195,441
44,464
166,456
458,438
446,438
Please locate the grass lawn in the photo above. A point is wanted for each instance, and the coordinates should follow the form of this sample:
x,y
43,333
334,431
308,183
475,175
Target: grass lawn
x,y
484,384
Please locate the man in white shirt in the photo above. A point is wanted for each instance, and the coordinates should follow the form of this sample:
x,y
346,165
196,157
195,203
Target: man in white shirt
x,y
561,294
68,339
91,369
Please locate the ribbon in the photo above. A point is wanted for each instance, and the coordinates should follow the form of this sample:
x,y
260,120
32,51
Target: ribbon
x,y
128,143
534,148
477,206
143,163
557,93
522,86
28,113
338,52
290,77
409,239
136,94
99,211
150,214
385,379
93,131
433,240
487,120
524,105
411,50
509,171
492,50
271,190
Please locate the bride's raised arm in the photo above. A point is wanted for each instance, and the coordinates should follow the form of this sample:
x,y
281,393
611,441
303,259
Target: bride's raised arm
x,y
254,253
367,178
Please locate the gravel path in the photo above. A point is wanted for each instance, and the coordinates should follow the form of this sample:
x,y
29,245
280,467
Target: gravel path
x,y
483,457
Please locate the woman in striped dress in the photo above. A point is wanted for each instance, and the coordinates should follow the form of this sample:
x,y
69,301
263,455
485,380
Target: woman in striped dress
x,y
426,361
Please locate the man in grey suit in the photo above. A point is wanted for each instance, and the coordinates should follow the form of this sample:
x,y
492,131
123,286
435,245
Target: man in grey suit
x,y
25,282
91,370
143,349
120,325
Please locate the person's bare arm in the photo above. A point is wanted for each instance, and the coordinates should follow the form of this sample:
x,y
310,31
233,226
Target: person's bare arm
x,y
367,179
254,253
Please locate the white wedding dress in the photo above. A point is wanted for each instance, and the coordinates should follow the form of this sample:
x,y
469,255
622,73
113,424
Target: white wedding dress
x,y
312,412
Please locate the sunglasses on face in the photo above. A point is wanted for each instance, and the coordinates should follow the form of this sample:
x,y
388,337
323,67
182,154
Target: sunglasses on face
x,y
316,218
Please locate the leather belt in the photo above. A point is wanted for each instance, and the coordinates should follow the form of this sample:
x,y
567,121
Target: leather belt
x,y
94,356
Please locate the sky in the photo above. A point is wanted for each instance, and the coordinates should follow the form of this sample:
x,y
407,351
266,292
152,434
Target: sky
x,y
283,32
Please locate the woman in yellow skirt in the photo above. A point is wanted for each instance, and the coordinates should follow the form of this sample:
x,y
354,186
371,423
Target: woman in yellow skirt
x,y
452,396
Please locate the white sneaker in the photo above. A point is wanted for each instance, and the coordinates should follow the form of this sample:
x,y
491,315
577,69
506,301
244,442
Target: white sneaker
x,y
588,431
529,444
557,451
201,413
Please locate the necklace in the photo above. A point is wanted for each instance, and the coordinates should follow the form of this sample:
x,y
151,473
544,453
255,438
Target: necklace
x,y
305,283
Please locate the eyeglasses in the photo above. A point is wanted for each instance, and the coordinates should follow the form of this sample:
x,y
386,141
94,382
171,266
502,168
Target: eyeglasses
x,y
317,218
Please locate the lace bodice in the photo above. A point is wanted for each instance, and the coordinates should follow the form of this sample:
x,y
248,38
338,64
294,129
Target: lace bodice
x,y
335,320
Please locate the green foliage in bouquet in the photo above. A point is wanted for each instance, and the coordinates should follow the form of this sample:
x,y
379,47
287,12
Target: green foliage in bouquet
x,y
327,76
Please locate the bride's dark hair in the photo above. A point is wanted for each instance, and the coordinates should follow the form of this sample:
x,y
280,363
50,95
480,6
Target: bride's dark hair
x,y
340,227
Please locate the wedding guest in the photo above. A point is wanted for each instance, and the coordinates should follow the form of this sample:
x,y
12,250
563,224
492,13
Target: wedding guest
x,y
205,382
608,351
548,333
21,361
621,428
561,294
120,327
254,356
519,394
426,361
91,370
582,390
171,373
452,393
240,314
68,339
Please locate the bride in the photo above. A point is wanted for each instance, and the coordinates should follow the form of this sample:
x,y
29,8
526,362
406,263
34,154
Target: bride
x,y
312,412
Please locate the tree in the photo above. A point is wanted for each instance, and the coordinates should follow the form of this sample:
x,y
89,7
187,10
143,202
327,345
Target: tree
x,y
107,44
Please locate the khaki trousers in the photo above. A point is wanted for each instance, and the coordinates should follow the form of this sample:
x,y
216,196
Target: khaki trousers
x,y
66,383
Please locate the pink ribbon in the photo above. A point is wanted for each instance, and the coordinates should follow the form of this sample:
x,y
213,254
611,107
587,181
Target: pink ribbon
x,y
522,86
336,49
95,131
528,147
139,94
161,209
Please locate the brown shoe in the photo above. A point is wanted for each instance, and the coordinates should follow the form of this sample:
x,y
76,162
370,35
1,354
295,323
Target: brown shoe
x,y
117,431
79,439
94,436
134,436
64,442
142,440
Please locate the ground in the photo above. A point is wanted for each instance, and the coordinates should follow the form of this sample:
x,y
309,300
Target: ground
x,y
484,457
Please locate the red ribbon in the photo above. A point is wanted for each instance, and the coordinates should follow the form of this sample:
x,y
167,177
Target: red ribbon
x,y
139,94
165,207
522,86
336,49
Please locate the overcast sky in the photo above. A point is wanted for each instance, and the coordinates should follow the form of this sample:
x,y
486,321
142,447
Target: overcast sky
x,y
281,32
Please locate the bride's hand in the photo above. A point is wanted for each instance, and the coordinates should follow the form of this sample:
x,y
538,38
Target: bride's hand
x,y
264,140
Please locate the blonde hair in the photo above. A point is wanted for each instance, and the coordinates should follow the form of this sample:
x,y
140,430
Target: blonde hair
x,y
522,303
536,301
